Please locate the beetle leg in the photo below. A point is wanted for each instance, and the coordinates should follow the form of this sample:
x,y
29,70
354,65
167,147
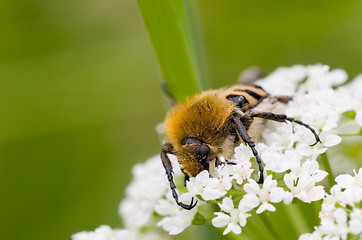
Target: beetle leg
x,y
186,179
230,162
284,99
284,118
217,162
246,138
168,148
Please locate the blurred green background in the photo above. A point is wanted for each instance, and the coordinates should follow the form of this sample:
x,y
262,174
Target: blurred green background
x,y
80,93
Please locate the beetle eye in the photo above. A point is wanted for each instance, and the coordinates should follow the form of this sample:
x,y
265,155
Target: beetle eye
x,y
204,151
237,99
189,140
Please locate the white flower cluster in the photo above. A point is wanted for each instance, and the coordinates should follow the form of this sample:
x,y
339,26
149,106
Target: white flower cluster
x,y
102,233
341,213
107,233
148,186
354,88
290,163
149,193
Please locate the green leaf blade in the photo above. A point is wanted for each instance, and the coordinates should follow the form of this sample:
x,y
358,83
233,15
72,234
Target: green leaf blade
x,y
169,30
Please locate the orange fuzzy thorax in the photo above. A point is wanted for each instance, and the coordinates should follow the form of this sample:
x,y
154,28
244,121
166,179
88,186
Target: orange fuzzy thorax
x,y
201,116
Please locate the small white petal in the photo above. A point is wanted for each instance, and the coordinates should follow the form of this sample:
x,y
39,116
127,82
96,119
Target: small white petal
x,y
164,207
277,195
340,215
227,205
242,218
359,117
355,224
319,176
288,198
336,77
316,193
248,202
104,233
221,220
344,180
203,176
265,206
303,196
177,223
252,187
310,236
289,180
303,149
331,140
232,227
269,183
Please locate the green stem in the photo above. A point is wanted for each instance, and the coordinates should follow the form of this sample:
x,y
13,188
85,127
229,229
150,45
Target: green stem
x,y
353,237
235,192
296,218
256,229
316,206
327,167
350,134
231,236
269,226
169,28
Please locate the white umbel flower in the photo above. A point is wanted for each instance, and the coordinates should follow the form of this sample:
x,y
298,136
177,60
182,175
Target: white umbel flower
x,y
348,189
311,236
340,214
336,228
107,233
268,193
104,233
355,222
235,217
354,88
175,218
302,181
148,186
210,188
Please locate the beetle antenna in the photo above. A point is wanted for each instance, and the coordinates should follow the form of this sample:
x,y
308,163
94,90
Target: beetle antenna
x,y
168,93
